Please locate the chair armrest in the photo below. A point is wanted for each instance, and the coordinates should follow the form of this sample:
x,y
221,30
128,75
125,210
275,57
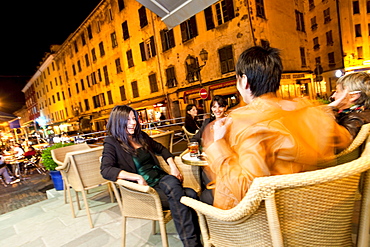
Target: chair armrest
x,y
63,166
205,208
240,211
134,186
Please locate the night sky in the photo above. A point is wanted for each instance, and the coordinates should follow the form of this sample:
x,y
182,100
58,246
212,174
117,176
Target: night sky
x,y
28,28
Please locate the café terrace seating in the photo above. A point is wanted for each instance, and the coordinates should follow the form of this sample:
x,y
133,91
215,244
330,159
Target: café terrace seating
x,y
81,171
165,138
139,201
59,155
312,208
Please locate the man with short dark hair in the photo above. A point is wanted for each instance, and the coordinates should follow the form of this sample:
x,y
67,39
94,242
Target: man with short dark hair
x,y
269,136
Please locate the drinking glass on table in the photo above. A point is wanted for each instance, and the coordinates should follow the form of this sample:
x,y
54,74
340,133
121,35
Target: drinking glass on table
x,y
193,148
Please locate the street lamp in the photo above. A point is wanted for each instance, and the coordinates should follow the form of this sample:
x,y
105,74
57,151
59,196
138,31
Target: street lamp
x,y
193,66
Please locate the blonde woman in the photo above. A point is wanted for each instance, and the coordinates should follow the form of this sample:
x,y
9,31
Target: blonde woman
x,y
352,101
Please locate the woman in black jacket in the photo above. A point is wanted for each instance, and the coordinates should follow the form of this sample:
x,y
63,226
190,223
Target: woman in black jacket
x,y
130,153
191,123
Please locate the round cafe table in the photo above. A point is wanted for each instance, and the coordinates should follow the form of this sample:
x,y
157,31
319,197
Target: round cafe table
x,y
194,161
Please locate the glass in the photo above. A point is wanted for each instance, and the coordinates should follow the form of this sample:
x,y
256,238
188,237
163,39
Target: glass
x,y
193,148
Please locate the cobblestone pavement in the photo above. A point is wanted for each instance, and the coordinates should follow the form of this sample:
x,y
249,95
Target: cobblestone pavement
x,y
27,192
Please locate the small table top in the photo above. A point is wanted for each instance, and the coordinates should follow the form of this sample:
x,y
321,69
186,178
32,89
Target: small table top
x,y
194,161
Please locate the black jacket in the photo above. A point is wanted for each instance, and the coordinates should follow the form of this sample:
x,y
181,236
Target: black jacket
x,y
191,124
116,159
198,136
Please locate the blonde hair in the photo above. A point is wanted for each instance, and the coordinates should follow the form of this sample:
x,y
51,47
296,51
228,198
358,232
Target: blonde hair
x,y
357,81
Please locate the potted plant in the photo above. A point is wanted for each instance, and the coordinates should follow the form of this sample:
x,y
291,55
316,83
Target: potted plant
x,y
50,165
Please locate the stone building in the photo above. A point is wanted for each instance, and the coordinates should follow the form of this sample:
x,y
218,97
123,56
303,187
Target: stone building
x,y
124,54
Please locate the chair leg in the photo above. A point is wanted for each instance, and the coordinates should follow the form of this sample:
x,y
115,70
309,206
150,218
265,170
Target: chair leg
x,y
117,195
154,227
87,208
78,201
65,192
123,231
71,202
110,192
162,227
2,181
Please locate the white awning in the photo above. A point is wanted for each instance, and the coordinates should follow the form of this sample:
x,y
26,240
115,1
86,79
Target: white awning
x,y
174,12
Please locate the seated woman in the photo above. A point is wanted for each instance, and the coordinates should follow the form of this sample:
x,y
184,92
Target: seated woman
x,y
352,101
30,152
218,110
129,154
191,123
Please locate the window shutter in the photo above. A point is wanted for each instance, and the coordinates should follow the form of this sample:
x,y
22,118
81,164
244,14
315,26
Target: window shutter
x,y
184,33
142,51
193,27
163,39
152,46
230,9
209,18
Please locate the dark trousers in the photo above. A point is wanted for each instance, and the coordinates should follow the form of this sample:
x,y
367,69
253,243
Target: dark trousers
x,y
170,191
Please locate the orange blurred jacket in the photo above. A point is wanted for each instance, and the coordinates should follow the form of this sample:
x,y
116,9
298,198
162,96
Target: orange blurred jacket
x,y
264,140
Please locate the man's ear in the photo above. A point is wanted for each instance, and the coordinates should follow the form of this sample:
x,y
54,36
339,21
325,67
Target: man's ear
x,y
244,81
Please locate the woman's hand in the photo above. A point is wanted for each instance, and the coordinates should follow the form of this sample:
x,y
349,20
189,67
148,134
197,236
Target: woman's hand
x,y
342,101
141,180
175,172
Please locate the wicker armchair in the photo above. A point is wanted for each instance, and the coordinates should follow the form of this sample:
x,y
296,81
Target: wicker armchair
x,y
81,171
352,152
304,209
166,139
59,155
188,134
143,202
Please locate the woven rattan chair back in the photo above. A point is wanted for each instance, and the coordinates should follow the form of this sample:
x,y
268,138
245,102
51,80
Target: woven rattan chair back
x,y
82,172
142,202
59,155
166,139
304,209
352,152
187,134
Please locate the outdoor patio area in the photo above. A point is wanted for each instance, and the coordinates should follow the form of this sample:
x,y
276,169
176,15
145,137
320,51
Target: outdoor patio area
x,y
49,223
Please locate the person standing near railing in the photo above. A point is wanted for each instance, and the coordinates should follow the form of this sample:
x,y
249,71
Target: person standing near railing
x,y
129,154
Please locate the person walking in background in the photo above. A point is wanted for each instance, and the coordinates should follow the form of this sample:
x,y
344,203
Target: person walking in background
x,y
352,101
129,154
191,123
269,136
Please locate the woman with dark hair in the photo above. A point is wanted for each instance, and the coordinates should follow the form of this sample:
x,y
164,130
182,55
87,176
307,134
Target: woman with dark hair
x,y
129,154
191,124
218,108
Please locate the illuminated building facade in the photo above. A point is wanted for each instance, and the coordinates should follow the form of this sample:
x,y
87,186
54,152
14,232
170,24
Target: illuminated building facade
x,y
124,54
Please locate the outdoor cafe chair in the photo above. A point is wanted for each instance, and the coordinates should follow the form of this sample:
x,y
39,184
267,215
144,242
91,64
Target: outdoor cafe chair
x,y
313,208
81,173
139,201
166,139
188,135
59,155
